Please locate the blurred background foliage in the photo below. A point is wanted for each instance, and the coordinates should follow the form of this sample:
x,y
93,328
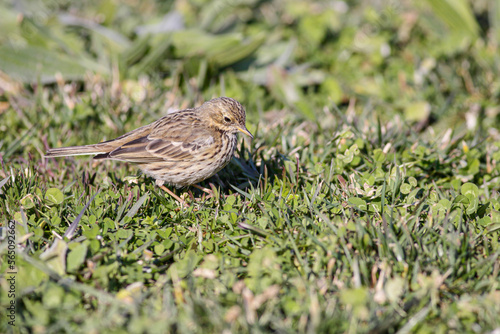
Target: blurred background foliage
x,y
434,61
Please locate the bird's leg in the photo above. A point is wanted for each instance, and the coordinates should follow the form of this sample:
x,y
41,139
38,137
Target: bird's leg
x,y
168,191
208,191
171,193
211,192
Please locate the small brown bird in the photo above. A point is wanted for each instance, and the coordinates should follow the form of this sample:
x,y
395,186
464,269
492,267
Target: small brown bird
x,y
181,149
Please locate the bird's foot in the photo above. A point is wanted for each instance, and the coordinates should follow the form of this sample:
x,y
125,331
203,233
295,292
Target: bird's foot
x,y
171,193
212,192
206,190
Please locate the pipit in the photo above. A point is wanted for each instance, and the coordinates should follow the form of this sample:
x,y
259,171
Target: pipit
x,y
180,149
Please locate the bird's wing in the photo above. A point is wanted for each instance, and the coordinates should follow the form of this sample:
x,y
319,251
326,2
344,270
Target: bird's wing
x,y
171,139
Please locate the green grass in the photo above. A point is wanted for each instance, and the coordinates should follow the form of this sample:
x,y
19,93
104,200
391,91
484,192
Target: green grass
x,y
367,202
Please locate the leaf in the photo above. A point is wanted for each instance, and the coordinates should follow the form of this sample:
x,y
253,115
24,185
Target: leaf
x,y
159,249
412,181
405,188
186,265
358,203
54,196
244,193
76,257
473,167
72,228
131,213
172,21
238,52
223,50
354,297
481,211
30,63
90,231
417,111
494,227
469,189
495,19
55,256
473,205
331,88
124,234
27,202
158,48
116,40
457,15
53,297
444,204
3,182
461,199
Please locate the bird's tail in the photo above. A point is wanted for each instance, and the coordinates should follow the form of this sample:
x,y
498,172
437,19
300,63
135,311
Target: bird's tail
x,y
101,150
79,150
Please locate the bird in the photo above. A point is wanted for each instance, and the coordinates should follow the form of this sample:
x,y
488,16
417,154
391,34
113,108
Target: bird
x,y
181,149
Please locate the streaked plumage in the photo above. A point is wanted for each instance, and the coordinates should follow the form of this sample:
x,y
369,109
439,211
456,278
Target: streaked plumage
x,y
181,149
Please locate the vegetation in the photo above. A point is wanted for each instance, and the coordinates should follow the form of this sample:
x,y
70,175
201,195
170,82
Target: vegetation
x,y
367,202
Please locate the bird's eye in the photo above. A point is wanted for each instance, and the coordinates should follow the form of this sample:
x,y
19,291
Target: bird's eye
x,y
227,119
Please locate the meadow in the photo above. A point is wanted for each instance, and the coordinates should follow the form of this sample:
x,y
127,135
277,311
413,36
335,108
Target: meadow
x,y
367,202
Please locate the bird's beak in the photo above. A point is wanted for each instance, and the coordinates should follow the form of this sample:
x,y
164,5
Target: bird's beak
x,y
245,131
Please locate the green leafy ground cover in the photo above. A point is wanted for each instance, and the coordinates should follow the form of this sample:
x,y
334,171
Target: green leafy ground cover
x,y
367,202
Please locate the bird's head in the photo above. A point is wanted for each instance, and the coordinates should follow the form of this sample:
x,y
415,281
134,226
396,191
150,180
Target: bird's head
x,y
226,114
